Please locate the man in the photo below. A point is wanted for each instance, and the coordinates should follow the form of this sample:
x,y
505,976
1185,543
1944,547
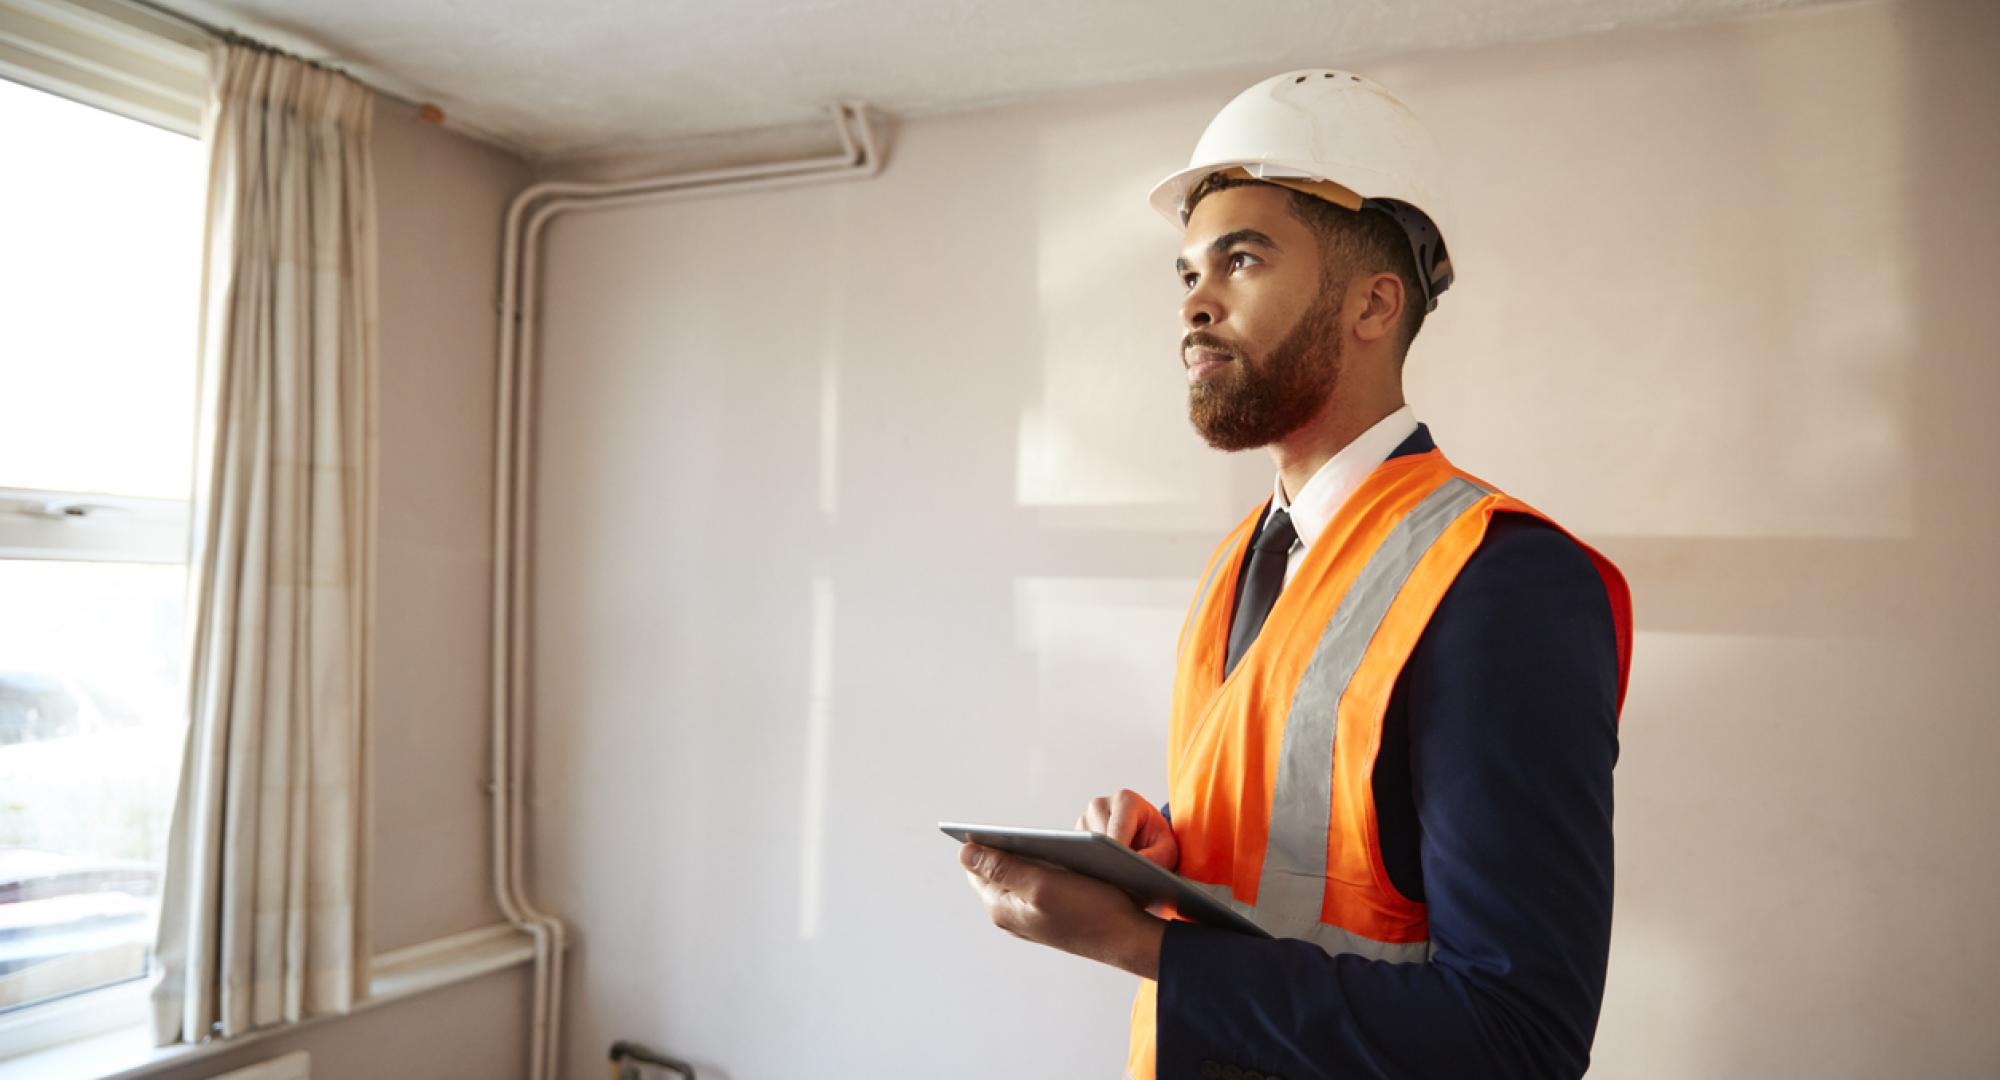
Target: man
x,y
1395,711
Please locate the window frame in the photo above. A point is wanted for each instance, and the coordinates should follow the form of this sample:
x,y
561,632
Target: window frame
x,y
139,64
82,526
110,55
74,1016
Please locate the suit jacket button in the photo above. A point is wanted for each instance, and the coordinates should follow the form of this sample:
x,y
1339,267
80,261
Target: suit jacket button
x,y
1211,1071
1232,1072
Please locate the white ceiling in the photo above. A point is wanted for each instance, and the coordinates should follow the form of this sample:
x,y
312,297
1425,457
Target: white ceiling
x,y
560,78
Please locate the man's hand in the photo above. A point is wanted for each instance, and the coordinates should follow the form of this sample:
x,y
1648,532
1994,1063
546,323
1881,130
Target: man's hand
x,y
1067,911
1129,819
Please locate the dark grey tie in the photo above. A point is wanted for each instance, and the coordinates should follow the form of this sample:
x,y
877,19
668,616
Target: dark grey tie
x,y
1262,580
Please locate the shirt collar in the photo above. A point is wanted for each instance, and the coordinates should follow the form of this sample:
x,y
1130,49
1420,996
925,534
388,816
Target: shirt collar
x,y
1320,499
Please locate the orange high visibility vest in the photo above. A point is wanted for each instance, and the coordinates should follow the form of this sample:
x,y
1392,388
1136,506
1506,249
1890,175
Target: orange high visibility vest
x,y
1270,770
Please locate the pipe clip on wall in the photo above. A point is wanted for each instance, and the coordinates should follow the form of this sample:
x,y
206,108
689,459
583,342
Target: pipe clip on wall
x,y
859,157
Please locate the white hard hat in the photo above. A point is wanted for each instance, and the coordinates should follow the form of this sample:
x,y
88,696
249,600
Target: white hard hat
x,y
1337,135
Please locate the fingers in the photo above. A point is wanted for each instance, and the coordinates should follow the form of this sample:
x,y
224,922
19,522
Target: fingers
x,y
1123,817
987,865
1008,892
982,864
1096,816
1002,907
1051,906
1126,810
1164,852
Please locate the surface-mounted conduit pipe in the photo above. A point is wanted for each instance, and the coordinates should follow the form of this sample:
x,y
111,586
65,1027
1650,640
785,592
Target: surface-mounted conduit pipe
x,y
513,459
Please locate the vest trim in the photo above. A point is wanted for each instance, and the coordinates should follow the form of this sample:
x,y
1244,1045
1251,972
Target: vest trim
x,y
1292,883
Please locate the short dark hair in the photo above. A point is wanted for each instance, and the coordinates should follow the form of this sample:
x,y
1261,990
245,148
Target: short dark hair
x,y
1356,241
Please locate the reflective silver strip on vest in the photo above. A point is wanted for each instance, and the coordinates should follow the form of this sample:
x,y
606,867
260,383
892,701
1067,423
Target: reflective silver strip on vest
x,y
1292,885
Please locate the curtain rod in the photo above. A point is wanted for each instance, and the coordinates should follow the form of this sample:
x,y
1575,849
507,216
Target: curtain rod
x,y
424,109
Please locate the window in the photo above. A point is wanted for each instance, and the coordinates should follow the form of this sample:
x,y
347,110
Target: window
x,y
100,247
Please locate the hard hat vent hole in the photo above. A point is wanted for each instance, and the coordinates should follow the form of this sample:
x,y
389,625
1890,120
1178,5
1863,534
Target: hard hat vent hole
x,y
1328,75
1298,80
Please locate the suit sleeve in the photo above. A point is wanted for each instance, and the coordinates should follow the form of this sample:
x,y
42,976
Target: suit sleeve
x,y
1512,694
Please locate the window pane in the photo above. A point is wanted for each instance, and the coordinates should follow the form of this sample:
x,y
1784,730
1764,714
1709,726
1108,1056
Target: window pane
x,y
100,271
91,726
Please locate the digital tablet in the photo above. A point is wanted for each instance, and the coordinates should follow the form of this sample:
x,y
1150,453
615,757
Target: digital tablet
x,y
1097,855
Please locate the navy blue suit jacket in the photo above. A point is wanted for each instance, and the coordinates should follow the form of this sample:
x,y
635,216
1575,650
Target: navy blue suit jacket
x,y
1493,796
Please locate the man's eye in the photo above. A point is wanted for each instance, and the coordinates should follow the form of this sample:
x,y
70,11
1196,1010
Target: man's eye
x,y
1240,259
1187,280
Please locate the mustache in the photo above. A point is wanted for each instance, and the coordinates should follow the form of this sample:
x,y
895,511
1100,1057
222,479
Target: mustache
x,y
1202,340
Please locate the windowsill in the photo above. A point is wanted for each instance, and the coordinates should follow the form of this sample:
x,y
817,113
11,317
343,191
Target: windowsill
x,y
127,1052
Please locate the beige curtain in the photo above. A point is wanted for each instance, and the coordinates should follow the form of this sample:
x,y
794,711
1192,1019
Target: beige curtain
x,y
260,920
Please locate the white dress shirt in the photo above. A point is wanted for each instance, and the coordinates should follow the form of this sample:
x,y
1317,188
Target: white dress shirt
x,y
1323,495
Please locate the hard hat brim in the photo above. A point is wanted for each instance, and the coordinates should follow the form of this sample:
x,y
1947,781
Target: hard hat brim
x,y
1170,195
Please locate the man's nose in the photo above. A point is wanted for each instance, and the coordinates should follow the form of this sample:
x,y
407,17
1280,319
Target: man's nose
x,y
1199,310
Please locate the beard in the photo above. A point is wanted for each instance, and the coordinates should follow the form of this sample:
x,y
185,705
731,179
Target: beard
x,y
1257,401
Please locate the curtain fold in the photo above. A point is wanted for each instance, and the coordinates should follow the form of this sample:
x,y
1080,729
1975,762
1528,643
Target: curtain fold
x,y
261,918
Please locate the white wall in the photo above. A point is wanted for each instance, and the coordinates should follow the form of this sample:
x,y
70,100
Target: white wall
x,y
440,198
868,505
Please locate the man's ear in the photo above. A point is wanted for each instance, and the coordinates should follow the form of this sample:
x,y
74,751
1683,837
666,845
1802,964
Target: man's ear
x,y
1382,297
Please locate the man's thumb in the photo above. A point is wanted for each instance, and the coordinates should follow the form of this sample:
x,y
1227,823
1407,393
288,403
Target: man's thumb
x,y
981,860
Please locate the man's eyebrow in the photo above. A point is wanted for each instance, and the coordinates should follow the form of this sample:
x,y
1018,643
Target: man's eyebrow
x,y
1229,240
